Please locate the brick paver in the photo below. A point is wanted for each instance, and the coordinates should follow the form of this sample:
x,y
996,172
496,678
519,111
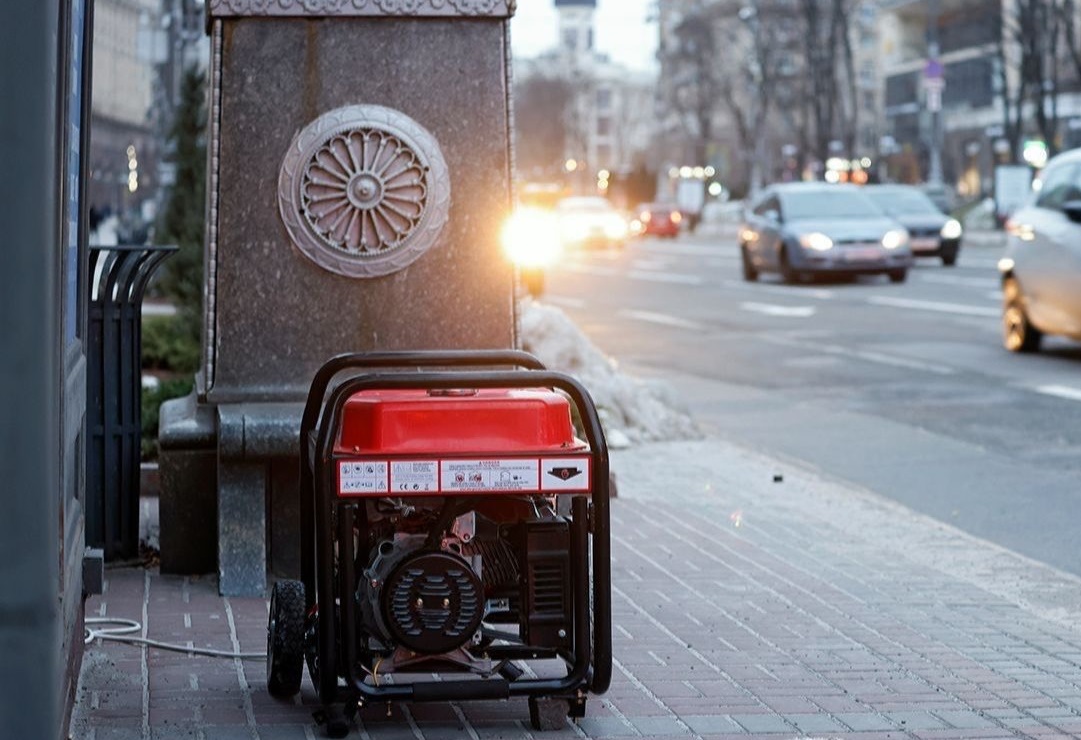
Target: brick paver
x,y
742,607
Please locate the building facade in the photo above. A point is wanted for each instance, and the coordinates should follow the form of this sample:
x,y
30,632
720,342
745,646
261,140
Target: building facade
x,y
141,48
974,84
764,90
607,119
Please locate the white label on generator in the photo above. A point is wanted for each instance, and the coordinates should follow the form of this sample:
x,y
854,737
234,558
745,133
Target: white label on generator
x,y
361,477
490,475
565,474
414,476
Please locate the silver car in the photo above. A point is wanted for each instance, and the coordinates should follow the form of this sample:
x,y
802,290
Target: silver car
x,y
1041,270
805,229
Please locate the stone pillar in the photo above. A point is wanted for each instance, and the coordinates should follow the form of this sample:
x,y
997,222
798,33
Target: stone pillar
x,y
359,173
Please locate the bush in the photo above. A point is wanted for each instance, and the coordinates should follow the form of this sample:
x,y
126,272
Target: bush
x,y
169,345
153,398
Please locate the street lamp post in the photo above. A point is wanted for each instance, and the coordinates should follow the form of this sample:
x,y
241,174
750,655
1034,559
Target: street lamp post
x,y
934,84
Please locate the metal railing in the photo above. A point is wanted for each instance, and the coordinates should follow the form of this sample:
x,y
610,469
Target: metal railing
x,y
118,279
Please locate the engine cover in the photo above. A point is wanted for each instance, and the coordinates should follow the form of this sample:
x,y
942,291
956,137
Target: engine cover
x,y
433,602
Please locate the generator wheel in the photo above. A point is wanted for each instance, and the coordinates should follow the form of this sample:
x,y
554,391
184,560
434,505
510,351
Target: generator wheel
x,y
547,714
285,639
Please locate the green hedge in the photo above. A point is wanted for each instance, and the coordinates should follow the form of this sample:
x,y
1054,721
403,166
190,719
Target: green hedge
x,y
153,398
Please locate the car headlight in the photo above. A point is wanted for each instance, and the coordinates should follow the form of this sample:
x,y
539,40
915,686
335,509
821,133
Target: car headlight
x,y
615,228
951,229
894,238
816,241
529,239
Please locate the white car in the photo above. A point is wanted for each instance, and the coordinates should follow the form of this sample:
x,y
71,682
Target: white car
x,y
590,221
1041,270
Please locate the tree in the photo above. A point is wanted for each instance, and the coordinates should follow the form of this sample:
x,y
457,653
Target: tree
x,y
1030,66
829,76
761,43
183,220
697,81
541,108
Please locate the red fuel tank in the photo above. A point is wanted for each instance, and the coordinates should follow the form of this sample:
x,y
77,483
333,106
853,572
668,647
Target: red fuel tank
x,y
467,421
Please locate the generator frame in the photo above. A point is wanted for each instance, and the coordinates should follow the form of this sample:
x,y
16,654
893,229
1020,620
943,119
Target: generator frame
x,y
327,523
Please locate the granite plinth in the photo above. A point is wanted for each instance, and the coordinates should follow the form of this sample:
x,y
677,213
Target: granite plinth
x,y
275,316
278,315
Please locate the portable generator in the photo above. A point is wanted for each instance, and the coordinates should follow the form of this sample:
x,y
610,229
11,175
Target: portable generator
x,y
455,538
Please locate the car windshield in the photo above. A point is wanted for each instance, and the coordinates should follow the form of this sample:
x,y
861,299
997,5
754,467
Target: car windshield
x,y
827,204
902,201
584,205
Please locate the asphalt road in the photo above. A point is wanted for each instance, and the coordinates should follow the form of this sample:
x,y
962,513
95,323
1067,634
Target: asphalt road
x,y
902,389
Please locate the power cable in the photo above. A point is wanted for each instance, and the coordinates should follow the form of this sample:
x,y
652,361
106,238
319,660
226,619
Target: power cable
x,y
124,632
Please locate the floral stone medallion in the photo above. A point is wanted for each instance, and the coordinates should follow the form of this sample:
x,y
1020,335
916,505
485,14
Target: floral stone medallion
x,y
364,191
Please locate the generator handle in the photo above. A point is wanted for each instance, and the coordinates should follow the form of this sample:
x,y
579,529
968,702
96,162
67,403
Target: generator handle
x,y
371,360
600,676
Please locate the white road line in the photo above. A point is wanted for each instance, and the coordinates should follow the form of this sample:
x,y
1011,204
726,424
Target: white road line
x,y
662,319
650,264
878,358
970,282
691,250
938,306
665,277
769,309
1061,391
564,301
591,269
820,294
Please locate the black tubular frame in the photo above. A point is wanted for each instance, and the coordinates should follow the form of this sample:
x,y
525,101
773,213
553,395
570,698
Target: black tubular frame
x,y
592,658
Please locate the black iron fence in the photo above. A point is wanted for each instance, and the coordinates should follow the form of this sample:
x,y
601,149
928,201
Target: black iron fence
x,y
118,279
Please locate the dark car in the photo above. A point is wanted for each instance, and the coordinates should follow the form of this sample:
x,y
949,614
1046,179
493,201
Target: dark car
x,y
1041,270
657,219
931,232
803,229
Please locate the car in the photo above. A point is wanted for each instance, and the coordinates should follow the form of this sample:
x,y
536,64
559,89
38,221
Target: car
x,y
657,219
932,233
590,221
1041,268
803,229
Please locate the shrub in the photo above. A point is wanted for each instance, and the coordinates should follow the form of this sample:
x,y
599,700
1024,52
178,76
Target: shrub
x,y
169,345
153,398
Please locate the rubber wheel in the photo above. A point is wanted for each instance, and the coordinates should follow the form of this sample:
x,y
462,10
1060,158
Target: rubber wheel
x,y
1018,333
285,639
898,276
749,273
949,259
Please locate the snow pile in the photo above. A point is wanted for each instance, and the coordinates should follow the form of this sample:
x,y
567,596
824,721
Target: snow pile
x,y
631,410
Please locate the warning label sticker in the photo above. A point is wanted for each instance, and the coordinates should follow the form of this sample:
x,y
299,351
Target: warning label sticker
x,y
361,477
414,476
490,475
565,474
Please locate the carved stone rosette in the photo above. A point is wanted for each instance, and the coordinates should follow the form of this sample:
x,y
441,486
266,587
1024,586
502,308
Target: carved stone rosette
x,y
364,191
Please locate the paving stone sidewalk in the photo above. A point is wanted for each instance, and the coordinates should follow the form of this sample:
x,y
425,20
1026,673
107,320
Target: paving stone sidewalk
x,y
751,598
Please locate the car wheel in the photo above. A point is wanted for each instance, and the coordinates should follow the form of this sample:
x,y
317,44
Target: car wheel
x,y
749,273
898,276
949,258
789,274
1018,333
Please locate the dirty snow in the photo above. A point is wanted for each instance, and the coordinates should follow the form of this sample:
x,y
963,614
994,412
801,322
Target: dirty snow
x,y
632,410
